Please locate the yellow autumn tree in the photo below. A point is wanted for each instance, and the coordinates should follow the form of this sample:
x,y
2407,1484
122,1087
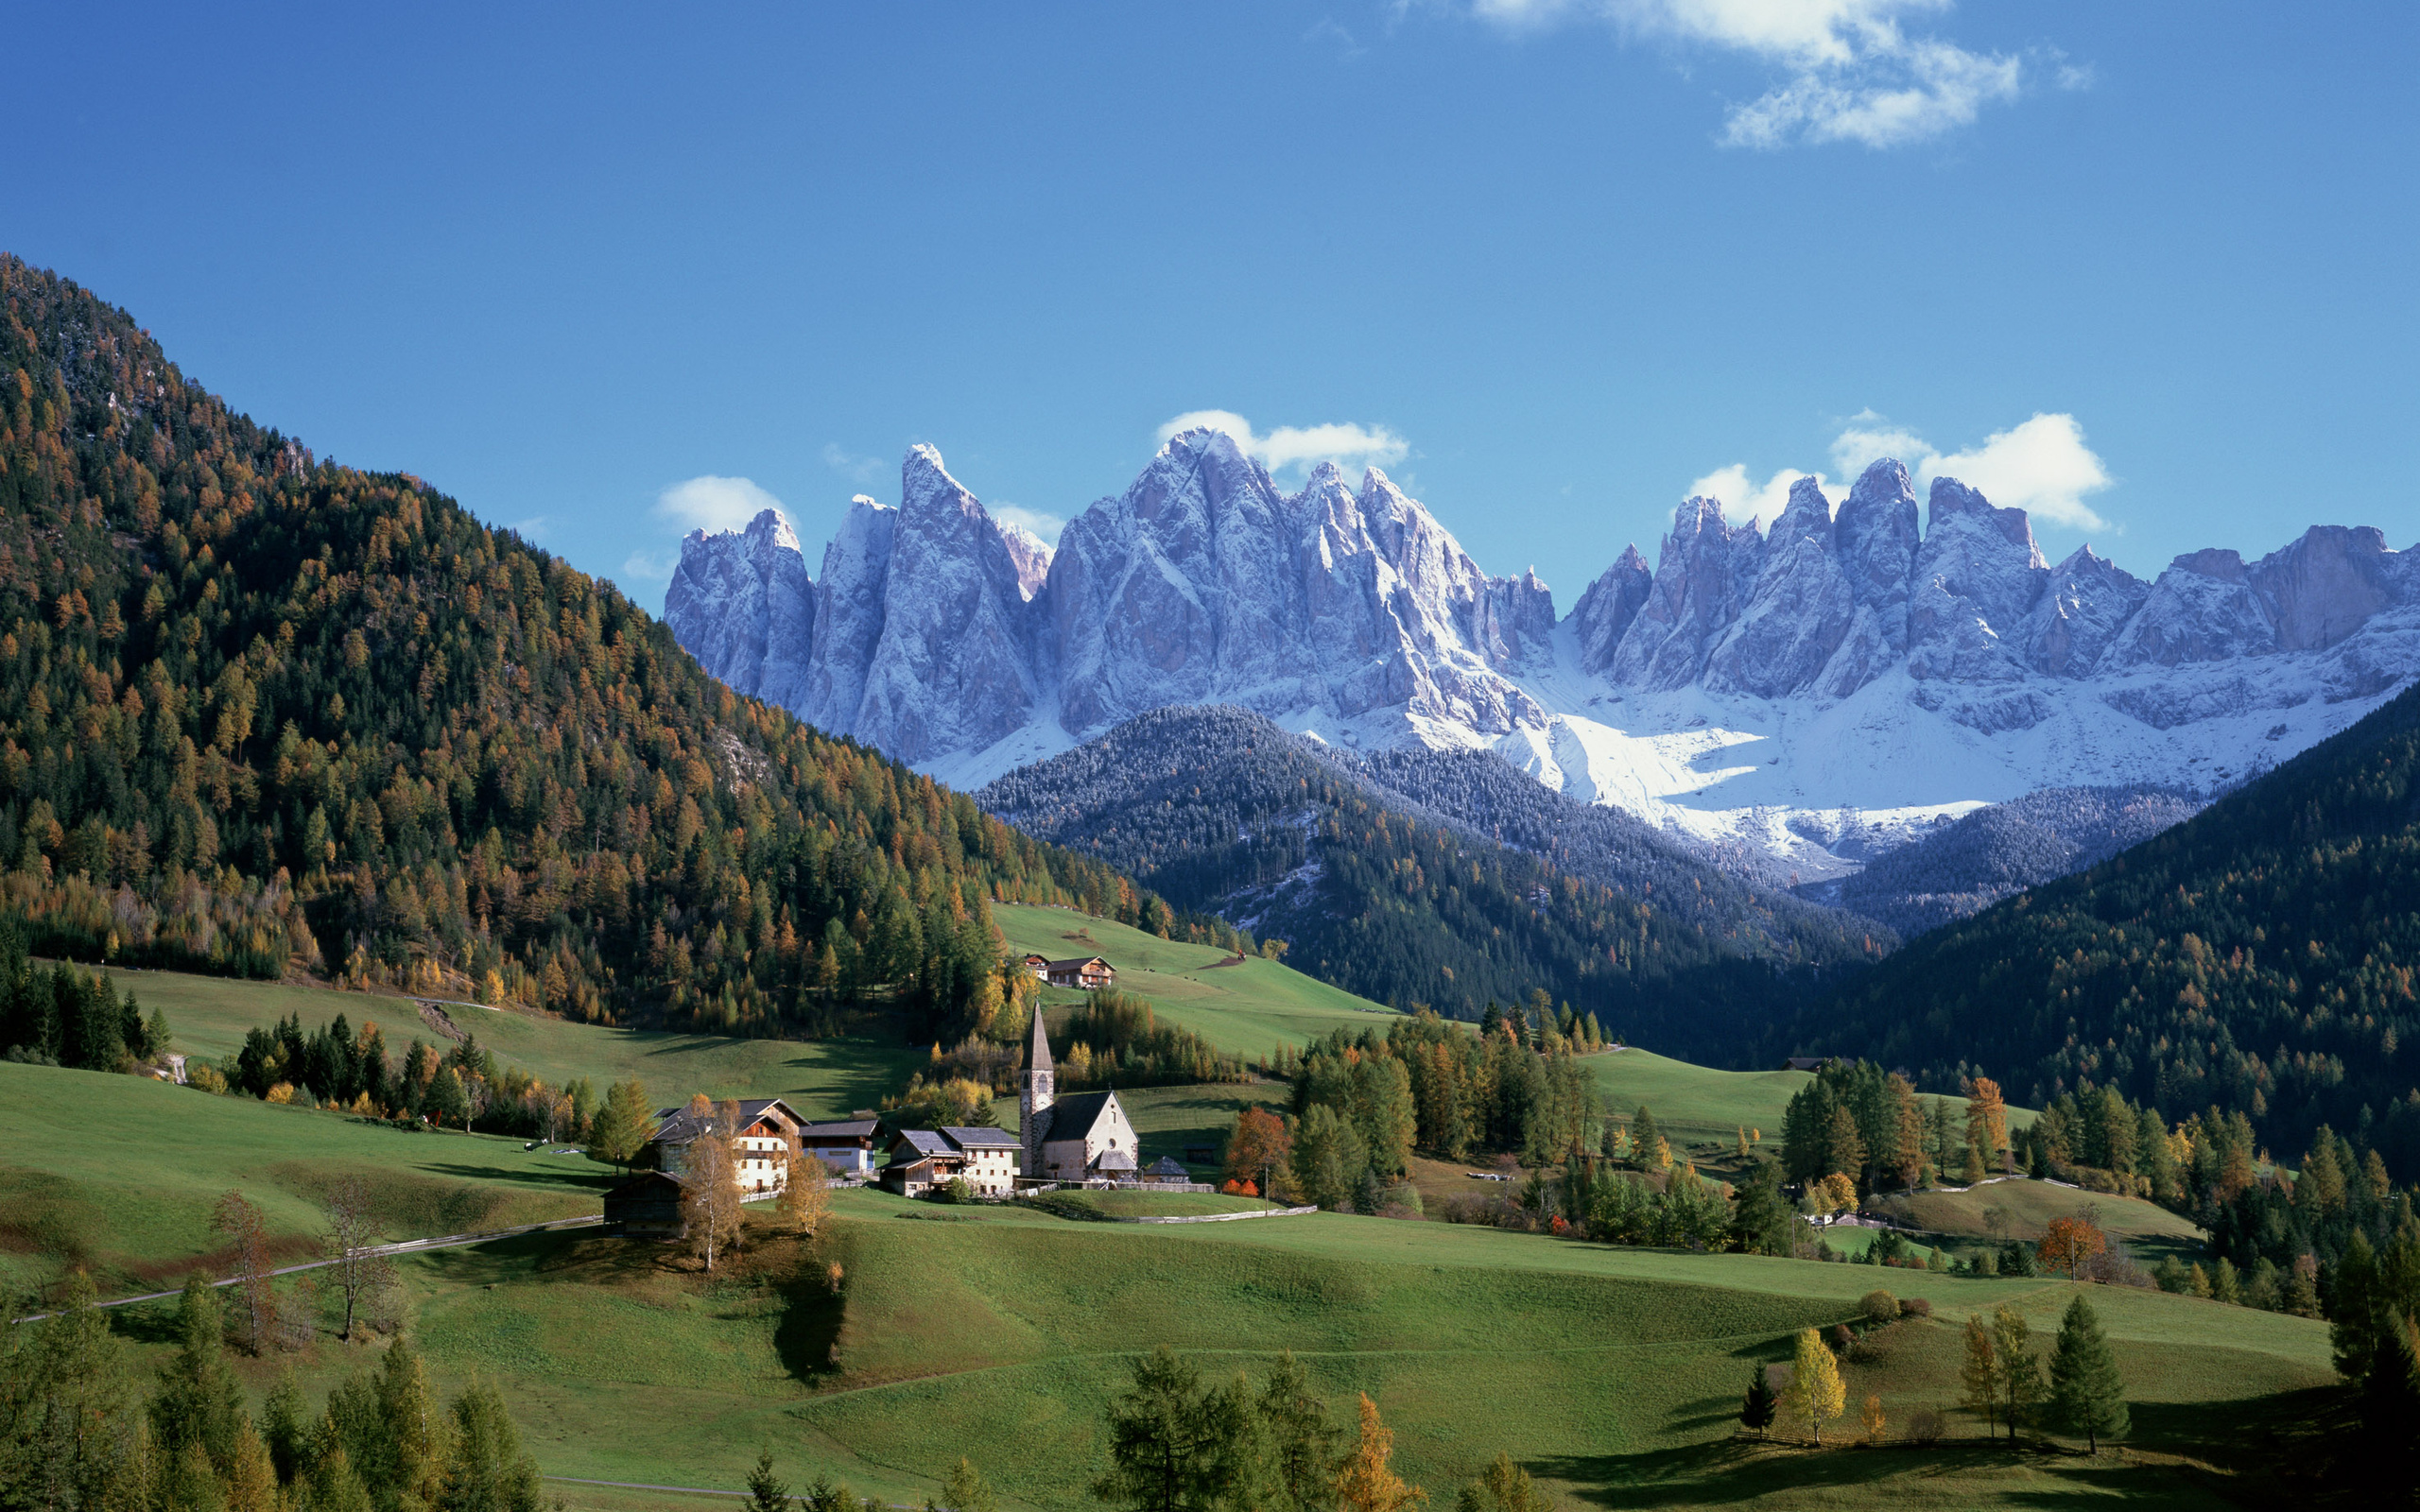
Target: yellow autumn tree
x,y
1816,1391
1364,1483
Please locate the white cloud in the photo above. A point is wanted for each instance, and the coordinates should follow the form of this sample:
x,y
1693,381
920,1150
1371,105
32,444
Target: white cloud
x,y
859,470
2041,466
1299,445
712,503
1744,500
1046,526
1853,73
645,567
1868,436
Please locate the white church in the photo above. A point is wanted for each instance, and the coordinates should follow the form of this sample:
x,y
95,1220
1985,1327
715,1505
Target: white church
x,y
1085,1137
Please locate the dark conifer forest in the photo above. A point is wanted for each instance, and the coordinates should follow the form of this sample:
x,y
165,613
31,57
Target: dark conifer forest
x,y
2257,958
1221,811
261,713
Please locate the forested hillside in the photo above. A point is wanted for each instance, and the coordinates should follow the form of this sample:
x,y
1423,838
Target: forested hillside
x,y
1972,863
2256,958
1220,810
260,712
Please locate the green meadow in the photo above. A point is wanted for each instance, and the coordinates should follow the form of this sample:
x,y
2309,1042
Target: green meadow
x,y
1249,1007
1003,1334
210,1015
1612,1374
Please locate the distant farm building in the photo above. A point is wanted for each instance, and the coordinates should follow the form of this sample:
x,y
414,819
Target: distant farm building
x,y
923,1159
1085,974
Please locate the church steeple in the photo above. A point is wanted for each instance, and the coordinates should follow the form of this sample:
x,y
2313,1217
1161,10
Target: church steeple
x,y
1033,1102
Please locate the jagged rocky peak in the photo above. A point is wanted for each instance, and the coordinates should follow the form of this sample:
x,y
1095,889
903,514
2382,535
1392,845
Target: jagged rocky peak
x,y
1975,580
2327,585
1606,610
953,666
742,602
1703,579
1798,613
2085,602
952,639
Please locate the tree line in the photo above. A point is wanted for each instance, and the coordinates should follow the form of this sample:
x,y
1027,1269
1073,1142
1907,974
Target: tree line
x,y
79,1430
2257,958
64,1017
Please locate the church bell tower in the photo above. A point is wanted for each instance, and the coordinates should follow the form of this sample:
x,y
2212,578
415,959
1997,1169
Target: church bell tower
x,y
1033,1102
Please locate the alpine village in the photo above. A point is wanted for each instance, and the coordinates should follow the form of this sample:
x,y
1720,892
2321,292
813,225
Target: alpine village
x,y
1208,1001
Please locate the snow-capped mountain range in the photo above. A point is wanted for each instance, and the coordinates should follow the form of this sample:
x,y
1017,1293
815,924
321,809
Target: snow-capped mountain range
x,y
1813,691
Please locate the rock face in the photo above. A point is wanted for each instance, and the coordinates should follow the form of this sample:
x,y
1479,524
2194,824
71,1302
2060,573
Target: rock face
x,y
1882,668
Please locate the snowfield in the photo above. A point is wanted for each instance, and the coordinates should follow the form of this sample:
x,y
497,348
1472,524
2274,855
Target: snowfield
x,y
1818,695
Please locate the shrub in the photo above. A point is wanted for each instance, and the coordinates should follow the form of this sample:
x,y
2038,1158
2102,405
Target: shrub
x,y
958,1192
1879,1305
1915,1307
205,1077
1926,1425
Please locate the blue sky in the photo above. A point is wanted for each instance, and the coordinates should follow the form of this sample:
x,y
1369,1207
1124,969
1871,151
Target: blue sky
x,y
2148,269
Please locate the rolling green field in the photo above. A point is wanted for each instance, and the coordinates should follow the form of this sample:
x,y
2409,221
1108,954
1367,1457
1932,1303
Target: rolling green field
x,y
119,1175
209,1016
2025,1208
1249,1007
1002,1334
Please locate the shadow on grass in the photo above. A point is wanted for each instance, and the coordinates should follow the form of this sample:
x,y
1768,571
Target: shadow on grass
x,y
1737,1471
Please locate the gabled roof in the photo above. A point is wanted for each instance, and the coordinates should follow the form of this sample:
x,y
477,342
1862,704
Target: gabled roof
x,y
1113,1161
924,1142
1166,1165
678,1126
985,1138
1072,1117
855,1128
1077,963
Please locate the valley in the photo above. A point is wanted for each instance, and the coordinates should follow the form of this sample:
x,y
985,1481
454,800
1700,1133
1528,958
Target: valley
x,y
1490,929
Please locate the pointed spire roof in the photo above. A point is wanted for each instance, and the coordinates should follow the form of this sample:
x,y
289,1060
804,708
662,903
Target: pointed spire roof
x,y
1038,1058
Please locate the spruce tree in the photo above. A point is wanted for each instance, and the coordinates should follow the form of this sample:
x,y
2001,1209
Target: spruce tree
x,y
1300,1441
1757,1408
2086,1394
766,1491
200,1404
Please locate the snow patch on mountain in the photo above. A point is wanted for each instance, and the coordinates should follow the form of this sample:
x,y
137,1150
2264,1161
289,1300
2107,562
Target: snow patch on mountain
x,y
1814,692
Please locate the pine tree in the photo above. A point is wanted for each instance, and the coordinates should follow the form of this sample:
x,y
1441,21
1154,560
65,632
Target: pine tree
x,y
200,1404
283,1427
2390,1404
1816,1391
1153,1450
1757,1407
2086,1394
488,1471
1300,1441
766,1491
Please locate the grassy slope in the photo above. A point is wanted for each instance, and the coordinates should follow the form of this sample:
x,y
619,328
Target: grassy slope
x,y
1003,1335
209,1015
2032,1205
1249,1007
120,1174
